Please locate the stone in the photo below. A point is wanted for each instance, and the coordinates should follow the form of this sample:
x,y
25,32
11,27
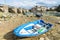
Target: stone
x,y
56,38
1,14
2,19
44,35
4,15
39,15
56,34
41,38
58,17
46,38
0,22
6,19
58,22
50,37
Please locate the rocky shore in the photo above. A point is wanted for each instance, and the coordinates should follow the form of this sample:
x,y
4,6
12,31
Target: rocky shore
x,y
6,27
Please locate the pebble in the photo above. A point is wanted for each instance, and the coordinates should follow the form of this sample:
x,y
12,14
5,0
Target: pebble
x,y
58,17
59,22
56,34
47,18
44,35
46,38
1,14
41,38
49,37
2,19
25,20
0,22
5,14
6,19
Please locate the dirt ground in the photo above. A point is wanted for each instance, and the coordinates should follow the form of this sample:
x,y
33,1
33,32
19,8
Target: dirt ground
x,y
7,27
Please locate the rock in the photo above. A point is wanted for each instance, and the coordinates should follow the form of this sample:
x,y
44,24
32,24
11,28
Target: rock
x,y
46,38
56,34
39,15
58,29
1,14
6,19
41,38
56,38
0,22
4,15
58,22
20,15
25,20
2,19
50,37
29,14
47,18
7,15
44,35
13,16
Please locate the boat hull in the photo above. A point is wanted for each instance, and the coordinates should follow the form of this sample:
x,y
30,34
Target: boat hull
x,y
27,26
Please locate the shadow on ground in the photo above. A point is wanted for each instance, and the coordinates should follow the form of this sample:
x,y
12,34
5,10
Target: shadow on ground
x,y
11,36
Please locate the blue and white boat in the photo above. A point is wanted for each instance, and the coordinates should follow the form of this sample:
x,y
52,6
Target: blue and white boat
x,y
34,28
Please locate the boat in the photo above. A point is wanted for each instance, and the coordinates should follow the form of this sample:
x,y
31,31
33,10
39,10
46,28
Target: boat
x,y
34,28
